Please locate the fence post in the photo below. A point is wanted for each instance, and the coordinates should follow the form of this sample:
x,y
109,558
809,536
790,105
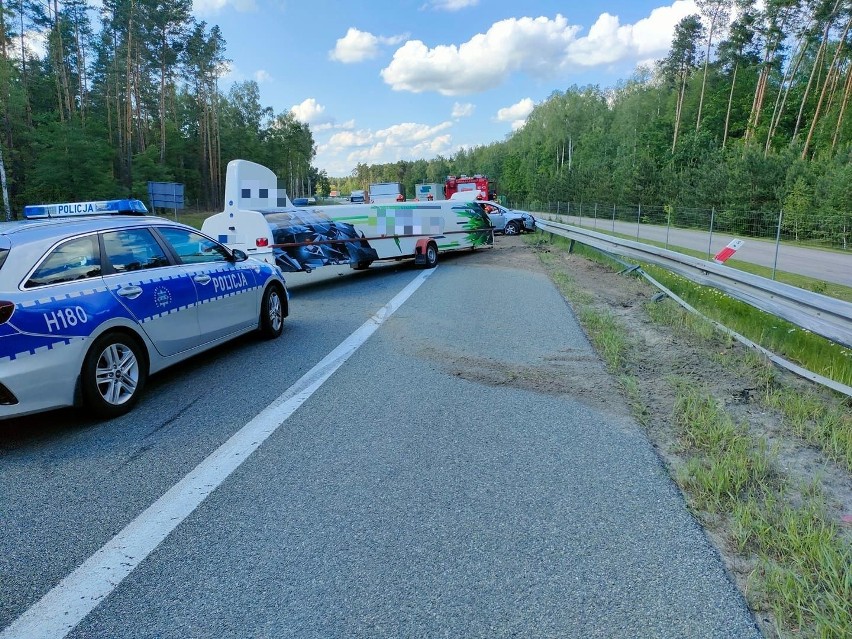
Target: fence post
x,y
710,243
669,213
638,218
580,223
777,241
557,207
595,225
613,218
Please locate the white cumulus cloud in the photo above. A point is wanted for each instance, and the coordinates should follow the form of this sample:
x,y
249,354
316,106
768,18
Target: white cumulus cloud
x,y
331,125
450,5
516,114
539,46
403,141
308,111
351,138
463,110
357,45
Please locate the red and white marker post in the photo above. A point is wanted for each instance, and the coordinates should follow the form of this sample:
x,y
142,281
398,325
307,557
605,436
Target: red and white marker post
x,y
729,250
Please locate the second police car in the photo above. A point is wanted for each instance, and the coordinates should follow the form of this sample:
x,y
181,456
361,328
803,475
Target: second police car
x,y
93,300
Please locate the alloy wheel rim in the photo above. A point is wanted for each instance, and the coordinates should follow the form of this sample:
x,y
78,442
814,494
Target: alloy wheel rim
x,y
117,374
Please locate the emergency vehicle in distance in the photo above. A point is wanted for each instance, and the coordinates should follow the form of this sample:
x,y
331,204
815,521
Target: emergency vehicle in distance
x,y
486,189
261,220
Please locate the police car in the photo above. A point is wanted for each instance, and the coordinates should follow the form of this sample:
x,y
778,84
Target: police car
x,y
95,296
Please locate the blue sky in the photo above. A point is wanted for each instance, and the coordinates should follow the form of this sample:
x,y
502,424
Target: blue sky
x,y
384,80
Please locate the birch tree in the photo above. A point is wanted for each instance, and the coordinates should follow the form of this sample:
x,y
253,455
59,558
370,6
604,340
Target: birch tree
x,y
715,14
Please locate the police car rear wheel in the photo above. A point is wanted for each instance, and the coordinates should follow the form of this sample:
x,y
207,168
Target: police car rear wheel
x,y
271,313
113,375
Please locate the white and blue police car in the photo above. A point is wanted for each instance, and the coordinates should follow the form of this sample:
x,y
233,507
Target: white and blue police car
x,y
95,296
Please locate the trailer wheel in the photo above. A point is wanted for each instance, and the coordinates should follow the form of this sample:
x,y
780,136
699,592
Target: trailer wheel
x,y
431,255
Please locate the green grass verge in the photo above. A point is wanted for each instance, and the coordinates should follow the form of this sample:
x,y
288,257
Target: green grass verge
x,y
820,419
191,218
810,351
805,573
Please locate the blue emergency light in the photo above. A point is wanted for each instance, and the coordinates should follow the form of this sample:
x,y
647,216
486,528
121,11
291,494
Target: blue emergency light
x,y
74,209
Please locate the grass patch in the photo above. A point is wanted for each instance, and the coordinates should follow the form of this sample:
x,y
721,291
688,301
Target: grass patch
x,y
824,423
192,218
606,334
827,426
805,565
811,351
635,398
725,464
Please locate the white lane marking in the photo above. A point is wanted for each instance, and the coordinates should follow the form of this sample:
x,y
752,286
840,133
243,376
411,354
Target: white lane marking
x,y
63,607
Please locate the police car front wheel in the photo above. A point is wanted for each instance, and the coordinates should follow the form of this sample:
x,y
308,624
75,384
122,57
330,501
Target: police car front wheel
x,y
272,313
113,374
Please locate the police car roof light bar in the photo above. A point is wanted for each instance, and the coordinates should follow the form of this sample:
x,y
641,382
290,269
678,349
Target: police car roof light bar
x,y
75,209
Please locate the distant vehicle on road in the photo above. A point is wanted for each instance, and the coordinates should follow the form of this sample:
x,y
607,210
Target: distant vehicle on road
x,y
382,192
358,197
429,192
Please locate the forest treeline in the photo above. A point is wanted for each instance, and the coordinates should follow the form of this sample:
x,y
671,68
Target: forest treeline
x,y
748,114
104,105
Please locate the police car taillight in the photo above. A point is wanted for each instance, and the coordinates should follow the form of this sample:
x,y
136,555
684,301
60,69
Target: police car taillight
x,y
6,310
261,241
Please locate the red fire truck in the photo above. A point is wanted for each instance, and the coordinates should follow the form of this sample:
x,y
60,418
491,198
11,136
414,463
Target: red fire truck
x,y
487,188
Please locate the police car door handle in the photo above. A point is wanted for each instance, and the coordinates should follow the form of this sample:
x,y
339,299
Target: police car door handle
x,y
202,278
131,292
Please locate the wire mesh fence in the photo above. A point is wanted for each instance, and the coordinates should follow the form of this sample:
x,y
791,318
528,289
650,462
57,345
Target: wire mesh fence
x,y
772,239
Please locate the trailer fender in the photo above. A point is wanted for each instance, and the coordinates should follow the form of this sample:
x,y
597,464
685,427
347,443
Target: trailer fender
x,y
426,253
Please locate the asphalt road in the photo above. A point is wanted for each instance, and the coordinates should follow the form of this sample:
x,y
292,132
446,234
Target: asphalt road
x,y
410,495
830,266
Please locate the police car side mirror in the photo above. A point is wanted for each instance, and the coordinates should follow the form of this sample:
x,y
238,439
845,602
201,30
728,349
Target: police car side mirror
x,y
239,256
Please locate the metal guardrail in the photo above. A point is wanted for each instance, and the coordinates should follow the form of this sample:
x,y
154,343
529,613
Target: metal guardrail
x,y
820,314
